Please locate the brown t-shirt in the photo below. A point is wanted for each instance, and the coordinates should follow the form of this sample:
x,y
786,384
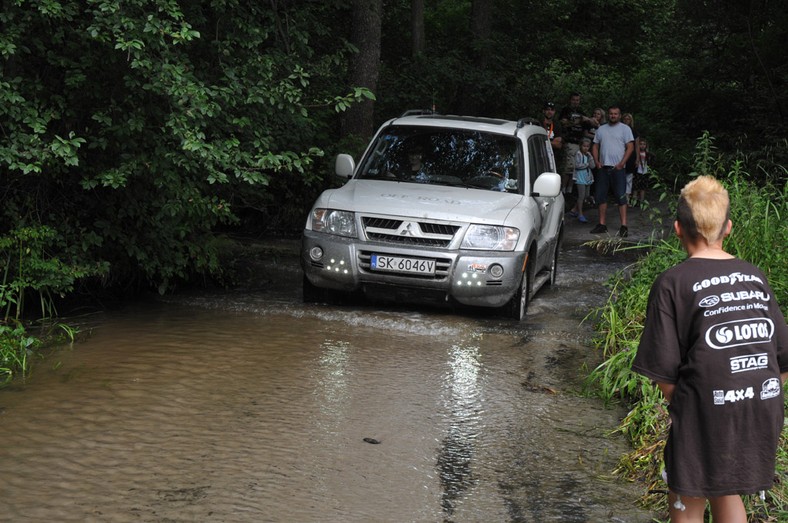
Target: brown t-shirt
x,y
713,328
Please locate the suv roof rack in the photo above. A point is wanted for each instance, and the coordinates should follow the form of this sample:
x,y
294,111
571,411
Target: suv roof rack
x,y
522,122
417,112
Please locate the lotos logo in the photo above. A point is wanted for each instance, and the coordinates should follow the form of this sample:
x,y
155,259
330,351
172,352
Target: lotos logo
x,y
739,332
709,301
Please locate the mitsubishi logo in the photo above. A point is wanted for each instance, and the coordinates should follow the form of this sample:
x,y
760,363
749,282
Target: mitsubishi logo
x,y
409,229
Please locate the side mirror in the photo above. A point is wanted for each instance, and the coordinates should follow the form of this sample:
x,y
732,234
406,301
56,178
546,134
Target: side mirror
x,y
548,185
344,166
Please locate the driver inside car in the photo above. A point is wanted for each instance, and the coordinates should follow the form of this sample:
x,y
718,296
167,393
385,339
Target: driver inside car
x,y
413,168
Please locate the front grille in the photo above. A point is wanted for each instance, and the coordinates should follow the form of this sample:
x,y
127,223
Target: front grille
x,y
407,240
438,228
406,232
381,223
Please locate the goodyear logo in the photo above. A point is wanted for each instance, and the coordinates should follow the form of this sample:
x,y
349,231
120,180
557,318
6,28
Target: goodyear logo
x,y
731,279
740,332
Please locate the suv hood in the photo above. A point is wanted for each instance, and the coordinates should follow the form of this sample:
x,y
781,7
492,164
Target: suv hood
x,y
423,201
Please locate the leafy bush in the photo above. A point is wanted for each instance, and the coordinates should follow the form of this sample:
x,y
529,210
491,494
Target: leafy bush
x,y
15,347
28,266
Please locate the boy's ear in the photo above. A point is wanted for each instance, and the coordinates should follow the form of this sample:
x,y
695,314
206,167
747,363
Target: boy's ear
x,y
677,228
728,228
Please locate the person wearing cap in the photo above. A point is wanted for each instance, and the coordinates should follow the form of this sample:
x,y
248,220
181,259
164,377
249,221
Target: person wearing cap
x,y
554,131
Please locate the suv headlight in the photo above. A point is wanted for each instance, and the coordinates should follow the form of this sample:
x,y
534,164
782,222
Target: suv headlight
x,y
341,223
491,238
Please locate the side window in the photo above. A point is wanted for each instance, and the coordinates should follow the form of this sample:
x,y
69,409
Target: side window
x,y
540,157
534,151
550,165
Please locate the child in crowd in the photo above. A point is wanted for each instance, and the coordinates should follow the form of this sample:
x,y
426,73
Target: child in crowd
x,y
640,183
631,165
583,178
720,364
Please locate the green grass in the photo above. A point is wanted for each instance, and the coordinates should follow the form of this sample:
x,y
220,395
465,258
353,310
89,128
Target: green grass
x,y
16,346
760,235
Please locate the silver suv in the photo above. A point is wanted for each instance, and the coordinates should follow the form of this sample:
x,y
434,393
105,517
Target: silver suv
x,y
459,209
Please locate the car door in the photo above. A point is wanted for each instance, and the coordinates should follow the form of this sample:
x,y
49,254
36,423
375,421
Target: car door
x,y
542,160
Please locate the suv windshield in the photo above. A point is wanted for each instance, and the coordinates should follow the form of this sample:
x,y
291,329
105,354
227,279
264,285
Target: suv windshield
x,y
443,156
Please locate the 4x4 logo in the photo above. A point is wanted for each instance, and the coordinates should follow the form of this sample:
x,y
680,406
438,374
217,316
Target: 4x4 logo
x,y
732,396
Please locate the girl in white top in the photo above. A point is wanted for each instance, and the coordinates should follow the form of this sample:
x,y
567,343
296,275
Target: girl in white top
x,y
583,178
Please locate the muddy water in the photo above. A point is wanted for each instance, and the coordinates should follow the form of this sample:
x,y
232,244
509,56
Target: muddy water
x,y
250,406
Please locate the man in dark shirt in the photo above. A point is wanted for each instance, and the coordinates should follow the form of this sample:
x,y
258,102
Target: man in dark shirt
x,y
554,132
574,123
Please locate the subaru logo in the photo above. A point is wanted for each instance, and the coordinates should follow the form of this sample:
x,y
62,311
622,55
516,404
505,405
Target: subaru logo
x,y
709,301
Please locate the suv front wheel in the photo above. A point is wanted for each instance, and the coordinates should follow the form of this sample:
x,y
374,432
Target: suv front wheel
x,y
518,305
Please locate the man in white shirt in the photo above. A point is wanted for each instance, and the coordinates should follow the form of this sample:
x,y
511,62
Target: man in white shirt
x,y
613,144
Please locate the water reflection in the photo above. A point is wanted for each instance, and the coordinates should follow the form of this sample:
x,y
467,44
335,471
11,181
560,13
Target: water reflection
x,y
457,450
332,381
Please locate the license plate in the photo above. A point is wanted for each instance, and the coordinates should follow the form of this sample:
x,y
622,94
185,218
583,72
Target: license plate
x,y
398,264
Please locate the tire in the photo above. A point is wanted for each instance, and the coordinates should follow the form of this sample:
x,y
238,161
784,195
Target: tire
x,y
554,260
313,294
518,305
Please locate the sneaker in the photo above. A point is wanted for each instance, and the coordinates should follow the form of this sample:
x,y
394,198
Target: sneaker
x,y
599,229
623,231
573,214
582,219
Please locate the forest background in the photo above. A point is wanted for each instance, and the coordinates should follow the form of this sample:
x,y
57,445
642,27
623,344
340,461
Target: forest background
x,y
135,134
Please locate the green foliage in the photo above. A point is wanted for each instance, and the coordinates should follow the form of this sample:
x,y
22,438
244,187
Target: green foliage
x,y
132,128
759,236
16,346
27,265
135,129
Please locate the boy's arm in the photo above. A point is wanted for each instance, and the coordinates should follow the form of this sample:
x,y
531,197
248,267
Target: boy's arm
x,y
668,388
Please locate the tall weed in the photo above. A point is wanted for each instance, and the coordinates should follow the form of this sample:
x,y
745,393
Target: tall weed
x,y
29,270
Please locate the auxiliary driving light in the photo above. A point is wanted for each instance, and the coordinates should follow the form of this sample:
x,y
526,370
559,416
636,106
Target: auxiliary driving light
x,y
496,271
316,253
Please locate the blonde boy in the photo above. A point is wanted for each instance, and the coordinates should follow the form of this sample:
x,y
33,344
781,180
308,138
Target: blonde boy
x,y
716,344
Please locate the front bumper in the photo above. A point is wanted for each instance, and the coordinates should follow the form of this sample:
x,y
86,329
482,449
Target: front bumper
x,y
467,277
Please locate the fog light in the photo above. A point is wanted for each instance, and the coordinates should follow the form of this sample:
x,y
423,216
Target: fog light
x,y
316,253
496,271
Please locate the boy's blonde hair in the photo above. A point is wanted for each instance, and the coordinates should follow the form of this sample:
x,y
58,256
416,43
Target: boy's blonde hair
x,y
704,209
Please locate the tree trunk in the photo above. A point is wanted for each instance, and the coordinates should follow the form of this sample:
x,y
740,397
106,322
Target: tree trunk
x,y
417,27
364,66
481,29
